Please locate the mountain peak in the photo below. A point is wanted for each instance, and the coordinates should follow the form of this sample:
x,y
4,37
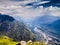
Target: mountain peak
x,y
4,17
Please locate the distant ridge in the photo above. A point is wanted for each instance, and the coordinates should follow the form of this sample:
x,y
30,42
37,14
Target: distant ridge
x,y
4,17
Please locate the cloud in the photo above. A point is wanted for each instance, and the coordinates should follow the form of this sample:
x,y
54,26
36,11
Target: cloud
x,y
11,0
21,11
17,0
46,4
54,11
15,9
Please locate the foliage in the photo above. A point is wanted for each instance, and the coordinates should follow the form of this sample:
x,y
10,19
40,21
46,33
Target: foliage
x,y
4,40
35,43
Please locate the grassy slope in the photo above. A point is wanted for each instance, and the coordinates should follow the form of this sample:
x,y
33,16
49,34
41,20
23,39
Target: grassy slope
x,y
4,40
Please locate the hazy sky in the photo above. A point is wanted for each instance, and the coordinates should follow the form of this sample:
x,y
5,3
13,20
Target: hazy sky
x,y
15,8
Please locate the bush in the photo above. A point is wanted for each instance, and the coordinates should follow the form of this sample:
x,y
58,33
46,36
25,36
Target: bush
x,y
35,43
4,40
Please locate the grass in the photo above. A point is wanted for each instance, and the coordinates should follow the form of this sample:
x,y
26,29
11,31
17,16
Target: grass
x,y
4,40
35,43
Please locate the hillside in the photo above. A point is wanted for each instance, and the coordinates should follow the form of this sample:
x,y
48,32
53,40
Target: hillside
x,y
4,40
14,29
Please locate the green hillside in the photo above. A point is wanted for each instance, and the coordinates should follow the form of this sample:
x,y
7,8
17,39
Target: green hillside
x,y
4,40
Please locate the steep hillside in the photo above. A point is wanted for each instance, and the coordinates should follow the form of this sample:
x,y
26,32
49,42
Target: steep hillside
x,y
14,29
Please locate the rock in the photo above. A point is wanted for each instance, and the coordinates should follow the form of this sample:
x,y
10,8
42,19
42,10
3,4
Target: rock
x,y
29,41
23,42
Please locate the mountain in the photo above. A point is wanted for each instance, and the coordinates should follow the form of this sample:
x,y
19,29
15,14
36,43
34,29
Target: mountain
x,y
55,27
46,19
56,24
41,20
5,22
46,28
6,18
15,29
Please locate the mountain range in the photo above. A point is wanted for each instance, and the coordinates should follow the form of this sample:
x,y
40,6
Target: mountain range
x,y
42,20
46,26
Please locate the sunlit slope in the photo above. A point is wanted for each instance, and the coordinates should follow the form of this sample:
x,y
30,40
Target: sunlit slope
x,y
4,40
